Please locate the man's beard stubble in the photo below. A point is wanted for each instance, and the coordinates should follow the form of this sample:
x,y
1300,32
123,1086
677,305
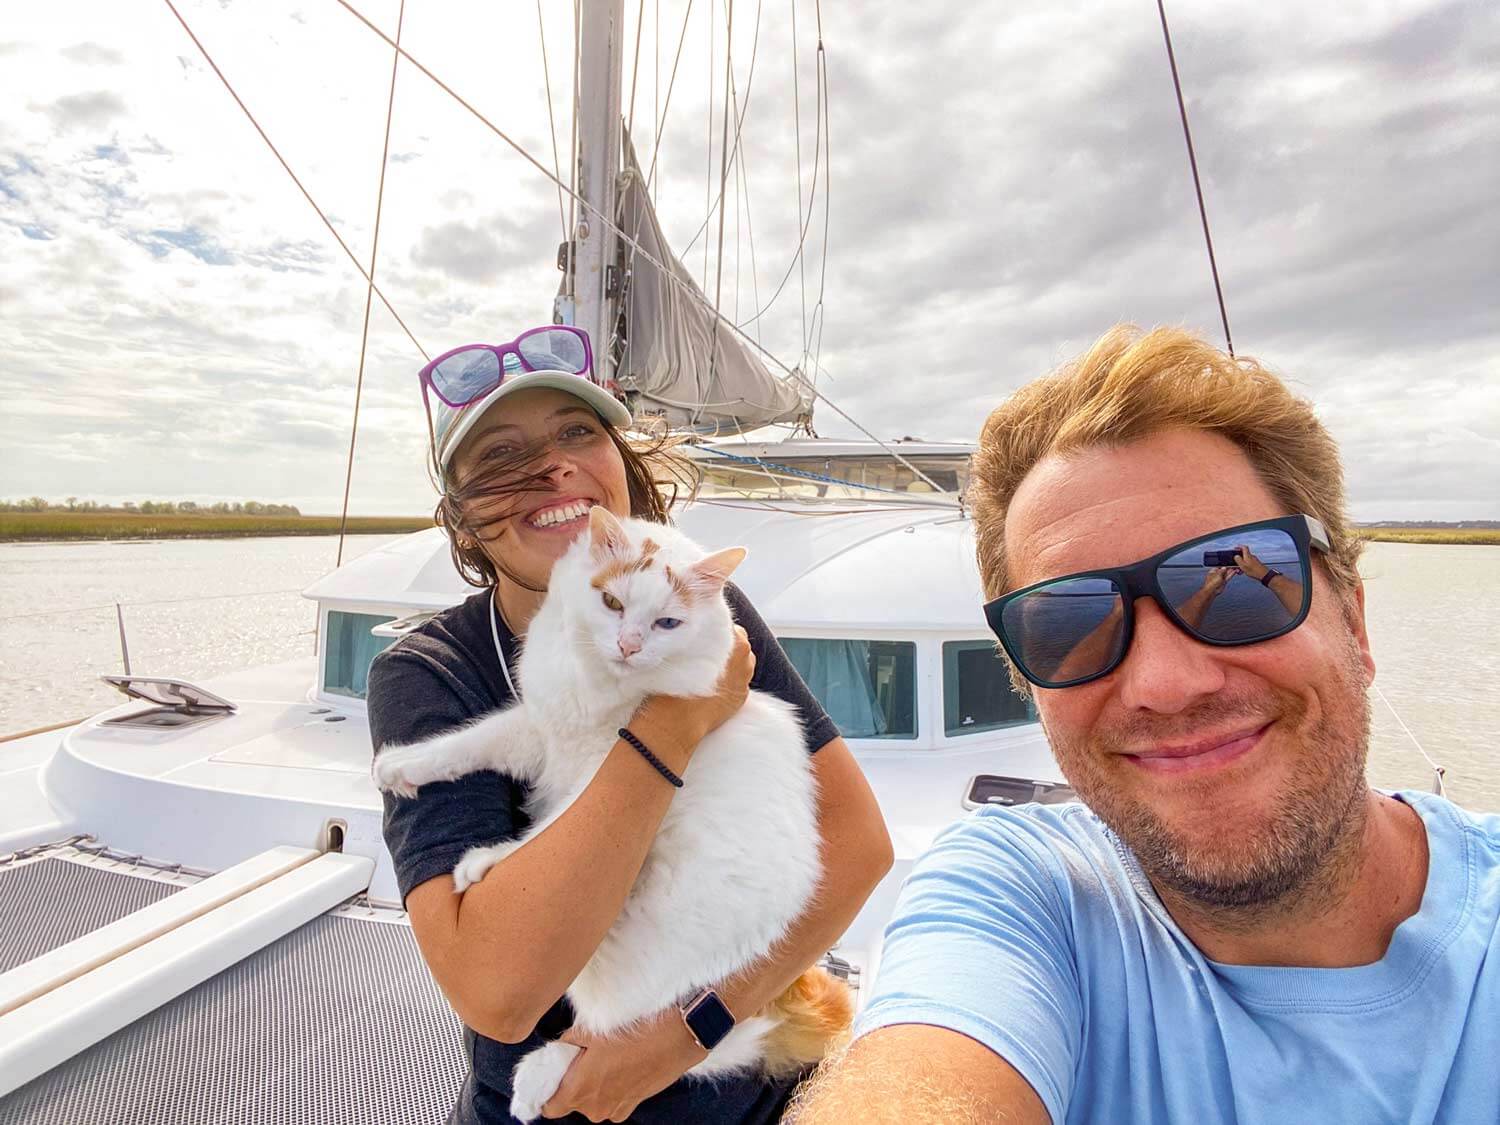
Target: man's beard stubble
x,y
1315,825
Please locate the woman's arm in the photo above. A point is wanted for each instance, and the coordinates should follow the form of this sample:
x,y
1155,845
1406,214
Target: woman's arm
x,y
614,1075
557,895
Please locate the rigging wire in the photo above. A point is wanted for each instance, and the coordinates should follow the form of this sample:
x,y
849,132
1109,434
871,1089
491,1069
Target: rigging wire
x,y
708,172
570,278
797,119
562,216
1438,772
713,354
667,105
736,151
288,169
819,319
1197,185
364,335
656,88
635,65
609,222
743,174
812,192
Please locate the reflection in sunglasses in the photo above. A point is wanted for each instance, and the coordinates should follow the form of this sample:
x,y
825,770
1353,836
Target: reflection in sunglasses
x,y
1240,586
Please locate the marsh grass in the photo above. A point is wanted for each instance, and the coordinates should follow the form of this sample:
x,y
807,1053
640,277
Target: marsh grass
x,y
53,525
1488,536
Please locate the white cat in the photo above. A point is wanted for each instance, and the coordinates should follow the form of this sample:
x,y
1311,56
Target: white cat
x,y
635,609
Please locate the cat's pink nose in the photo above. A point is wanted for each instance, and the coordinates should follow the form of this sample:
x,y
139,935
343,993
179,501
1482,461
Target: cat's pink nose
x,y
630,644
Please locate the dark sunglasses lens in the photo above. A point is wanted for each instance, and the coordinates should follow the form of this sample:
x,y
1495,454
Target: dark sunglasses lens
x,y
554,350
1214,585
1065,631
463,377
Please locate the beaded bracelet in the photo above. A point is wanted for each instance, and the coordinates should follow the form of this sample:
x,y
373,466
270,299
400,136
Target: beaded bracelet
x,y
661,766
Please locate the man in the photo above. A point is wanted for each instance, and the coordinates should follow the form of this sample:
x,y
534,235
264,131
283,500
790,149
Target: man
x,y
1236,927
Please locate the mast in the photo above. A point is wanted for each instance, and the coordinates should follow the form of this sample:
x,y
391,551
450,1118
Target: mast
x,y
601,62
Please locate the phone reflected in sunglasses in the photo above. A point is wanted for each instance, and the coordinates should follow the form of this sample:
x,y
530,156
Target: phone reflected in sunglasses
x,y
1238,586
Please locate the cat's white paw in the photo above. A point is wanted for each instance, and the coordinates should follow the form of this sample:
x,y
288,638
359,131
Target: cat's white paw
x,y
394,770
476,864
537,1077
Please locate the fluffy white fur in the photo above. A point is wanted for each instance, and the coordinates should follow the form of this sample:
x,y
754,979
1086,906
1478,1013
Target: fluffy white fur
x,y
735,859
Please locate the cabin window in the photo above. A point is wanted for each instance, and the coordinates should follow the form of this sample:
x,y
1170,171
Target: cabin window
x,y
977,695
348,649
868,688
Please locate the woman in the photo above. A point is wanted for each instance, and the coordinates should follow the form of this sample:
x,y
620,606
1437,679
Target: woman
x,y
523,443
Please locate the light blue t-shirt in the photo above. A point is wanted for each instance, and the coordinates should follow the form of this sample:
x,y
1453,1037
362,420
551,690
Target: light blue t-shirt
x,y
1033,931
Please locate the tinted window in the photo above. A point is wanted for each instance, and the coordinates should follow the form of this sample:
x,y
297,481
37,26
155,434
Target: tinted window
x,y
348,650
977,695
868,688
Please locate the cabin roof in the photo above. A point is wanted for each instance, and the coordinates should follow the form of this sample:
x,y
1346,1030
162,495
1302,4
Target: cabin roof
x,y
833,449
850,566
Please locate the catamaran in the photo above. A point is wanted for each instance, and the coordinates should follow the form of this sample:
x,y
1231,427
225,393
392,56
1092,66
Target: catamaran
x,y
200,919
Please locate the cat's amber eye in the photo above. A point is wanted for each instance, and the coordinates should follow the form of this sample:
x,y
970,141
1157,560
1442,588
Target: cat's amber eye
x,y
612,602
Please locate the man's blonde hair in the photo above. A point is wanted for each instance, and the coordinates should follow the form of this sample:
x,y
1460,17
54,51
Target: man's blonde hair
x,y
1132,384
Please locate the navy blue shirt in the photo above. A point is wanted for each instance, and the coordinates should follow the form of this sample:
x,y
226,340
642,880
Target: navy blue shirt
x,y
445,674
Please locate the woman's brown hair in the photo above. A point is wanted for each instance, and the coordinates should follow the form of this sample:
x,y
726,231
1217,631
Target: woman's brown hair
x,y
657,477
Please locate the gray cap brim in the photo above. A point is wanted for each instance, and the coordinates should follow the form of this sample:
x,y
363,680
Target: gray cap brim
x,y
611,409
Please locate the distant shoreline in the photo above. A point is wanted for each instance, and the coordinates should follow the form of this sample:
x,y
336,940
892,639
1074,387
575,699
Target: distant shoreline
x,y
65,526
55,526
1462,536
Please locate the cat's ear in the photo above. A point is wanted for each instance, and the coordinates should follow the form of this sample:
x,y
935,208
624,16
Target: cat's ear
x,y
606,534
709,574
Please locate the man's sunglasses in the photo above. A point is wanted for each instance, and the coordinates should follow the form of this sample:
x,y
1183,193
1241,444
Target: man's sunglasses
x,y
1239,586
470,372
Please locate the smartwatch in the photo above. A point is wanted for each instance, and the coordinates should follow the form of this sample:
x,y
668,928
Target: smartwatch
x,y
708,1019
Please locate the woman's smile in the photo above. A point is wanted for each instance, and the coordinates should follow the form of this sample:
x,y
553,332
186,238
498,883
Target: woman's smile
x,y
566,515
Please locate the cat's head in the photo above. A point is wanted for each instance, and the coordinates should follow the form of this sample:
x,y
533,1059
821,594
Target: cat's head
x,y
650,603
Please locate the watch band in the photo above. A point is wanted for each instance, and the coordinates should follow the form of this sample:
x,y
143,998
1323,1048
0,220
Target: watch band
x,y
708,1019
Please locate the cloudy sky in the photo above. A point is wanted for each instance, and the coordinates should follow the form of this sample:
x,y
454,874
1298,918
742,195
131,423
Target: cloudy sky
x,y
1006,182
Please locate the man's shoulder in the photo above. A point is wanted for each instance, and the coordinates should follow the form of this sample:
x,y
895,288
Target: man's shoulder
x,y
1064,845
1069,825
1478,832
1441,808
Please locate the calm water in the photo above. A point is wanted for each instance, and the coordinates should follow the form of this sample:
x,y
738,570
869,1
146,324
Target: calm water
x,y
1434,616
57,618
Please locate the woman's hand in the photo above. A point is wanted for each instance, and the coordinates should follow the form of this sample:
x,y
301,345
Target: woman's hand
x,y
612,1076
1216,579
676,724
1248,564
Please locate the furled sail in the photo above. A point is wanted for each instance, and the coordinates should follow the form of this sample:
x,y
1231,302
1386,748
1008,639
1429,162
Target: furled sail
x,y
679,361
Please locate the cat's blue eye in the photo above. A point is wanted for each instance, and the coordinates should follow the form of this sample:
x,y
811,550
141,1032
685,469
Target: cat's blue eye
x,y
668,622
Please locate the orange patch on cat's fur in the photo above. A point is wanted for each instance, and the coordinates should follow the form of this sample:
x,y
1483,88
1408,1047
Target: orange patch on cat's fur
x,y
816,1011
620,568
684,591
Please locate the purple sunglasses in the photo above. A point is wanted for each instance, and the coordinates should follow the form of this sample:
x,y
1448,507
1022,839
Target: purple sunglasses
x,y
471,371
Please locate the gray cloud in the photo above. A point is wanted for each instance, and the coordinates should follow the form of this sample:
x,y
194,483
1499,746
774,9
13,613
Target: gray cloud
x,y
92,54
89,111
479,252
